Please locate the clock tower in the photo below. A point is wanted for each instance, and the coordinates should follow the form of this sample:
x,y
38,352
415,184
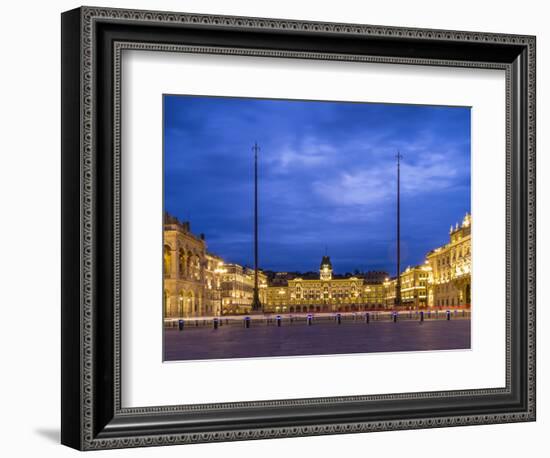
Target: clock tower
x,y
325,271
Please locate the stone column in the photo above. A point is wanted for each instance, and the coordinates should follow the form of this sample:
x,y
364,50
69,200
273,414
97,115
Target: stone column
x,y
174,263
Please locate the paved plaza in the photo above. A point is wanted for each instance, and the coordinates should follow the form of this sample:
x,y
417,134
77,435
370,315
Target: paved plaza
x,y
233,341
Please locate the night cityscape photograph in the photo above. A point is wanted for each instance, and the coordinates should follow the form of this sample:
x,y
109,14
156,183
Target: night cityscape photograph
x,y
300,227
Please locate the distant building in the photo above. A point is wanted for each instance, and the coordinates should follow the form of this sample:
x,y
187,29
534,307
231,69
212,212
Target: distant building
x,y
237,289
414,287
325,293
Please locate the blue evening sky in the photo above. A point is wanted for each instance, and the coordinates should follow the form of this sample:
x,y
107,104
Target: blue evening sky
x,y
327,178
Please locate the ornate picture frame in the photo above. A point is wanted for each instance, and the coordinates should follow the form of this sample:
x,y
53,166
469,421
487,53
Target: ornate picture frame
x,y
92,413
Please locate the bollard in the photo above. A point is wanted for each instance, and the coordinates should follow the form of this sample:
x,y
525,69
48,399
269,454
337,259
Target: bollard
x,y
394,317
448,315
339,318
246,321
421,316
367,318
180,325
309,319
278,318
215,323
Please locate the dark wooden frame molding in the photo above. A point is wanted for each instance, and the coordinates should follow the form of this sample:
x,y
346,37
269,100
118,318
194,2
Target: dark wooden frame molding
x,y
92,42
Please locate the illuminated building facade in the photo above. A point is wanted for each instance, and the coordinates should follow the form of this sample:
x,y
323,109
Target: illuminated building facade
x,y
237,288
414,287
443,280
184,259
451,264
199,283
323,294
212,284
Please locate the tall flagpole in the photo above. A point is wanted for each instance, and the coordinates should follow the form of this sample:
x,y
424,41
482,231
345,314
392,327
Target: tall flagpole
x,y
398,281
256,304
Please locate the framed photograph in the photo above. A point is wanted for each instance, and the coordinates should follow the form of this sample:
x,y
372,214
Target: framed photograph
x,y
276,228
332,174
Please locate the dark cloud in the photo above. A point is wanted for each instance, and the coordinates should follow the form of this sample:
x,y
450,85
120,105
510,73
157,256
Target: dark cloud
x,y
327,173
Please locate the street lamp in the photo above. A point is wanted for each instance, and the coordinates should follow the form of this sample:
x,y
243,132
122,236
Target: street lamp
x,y
220,270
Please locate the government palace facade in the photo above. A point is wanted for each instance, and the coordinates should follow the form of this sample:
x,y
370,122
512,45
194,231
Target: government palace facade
x,y
199,283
